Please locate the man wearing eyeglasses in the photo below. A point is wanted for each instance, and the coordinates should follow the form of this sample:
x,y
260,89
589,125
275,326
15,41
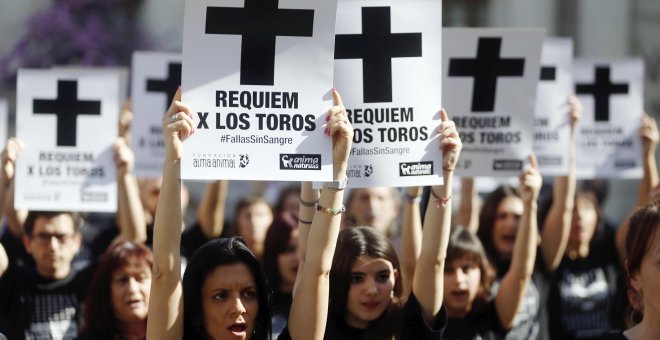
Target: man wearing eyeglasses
x,y
43,302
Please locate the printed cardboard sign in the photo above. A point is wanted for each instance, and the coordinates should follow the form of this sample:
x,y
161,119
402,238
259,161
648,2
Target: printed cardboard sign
x,y
388,64
608,141
489,90
551,119
67,120
156,77
258,76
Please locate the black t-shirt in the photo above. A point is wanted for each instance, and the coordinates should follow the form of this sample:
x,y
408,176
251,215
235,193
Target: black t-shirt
x,y
478,324
15,249
282,306
414,327
40,308
586,299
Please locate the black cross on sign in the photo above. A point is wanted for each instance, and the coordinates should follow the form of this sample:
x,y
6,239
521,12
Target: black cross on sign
x,y
485,70
376,46
548,73
602,89
66,107
167,86
259,23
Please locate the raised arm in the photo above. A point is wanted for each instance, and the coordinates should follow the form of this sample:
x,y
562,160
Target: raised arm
x,y
130,214
649,134
15,218
309,197
165,304
211,211
468,209
411,236
557,224
514,282
427,282
309,310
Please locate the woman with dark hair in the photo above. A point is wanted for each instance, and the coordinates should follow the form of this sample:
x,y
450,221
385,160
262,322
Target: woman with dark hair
x,y
280,264
469,275
498,224
586,295
643,256
224,292
354,291
118,296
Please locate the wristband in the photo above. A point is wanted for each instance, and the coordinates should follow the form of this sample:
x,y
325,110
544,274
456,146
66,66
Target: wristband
x,y
337,185
440,200
304,222
309,204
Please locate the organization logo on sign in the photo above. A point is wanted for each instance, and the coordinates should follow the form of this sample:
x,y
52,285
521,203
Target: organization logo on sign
x,y
300,161
507,164
415,169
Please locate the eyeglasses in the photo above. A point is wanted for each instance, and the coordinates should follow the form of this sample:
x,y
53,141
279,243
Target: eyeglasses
x,y
44,238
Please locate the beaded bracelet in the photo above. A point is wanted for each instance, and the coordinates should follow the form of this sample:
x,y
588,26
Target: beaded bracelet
x,y
331,211
440,200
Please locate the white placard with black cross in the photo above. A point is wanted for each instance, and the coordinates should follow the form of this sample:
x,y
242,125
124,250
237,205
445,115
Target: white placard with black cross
x,y
489,90
4,123
388,69
608,141
258,76
551,117
68,123
155,79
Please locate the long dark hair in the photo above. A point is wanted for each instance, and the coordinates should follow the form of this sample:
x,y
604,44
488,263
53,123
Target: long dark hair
x,y
277,241
644,225
463,245
351,244
212,254
487,218
99,318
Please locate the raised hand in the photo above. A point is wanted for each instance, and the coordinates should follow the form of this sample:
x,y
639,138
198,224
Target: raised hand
x,y
125,119
177,126
341,130
8,158
530,181
649,133
124,157
450,142
575,112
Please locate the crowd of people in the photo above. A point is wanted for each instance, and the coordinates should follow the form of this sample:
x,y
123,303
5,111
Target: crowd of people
x,y
390,264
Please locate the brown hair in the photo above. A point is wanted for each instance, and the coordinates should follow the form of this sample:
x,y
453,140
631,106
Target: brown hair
x,y
642,229
487,218
99,319
463,245
31,219
351,244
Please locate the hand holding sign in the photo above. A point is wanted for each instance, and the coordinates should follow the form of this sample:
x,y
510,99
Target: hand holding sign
x,y
9,155
530,181
450,142
649,133
177,126
339,127
575,111
124,157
